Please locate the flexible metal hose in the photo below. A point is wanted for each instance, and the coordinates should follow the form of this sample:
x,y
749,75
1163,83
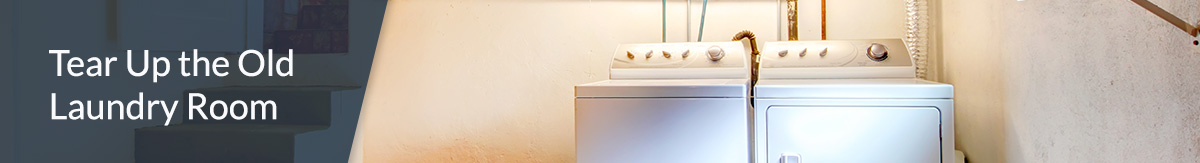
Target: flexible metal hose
x,y
746,34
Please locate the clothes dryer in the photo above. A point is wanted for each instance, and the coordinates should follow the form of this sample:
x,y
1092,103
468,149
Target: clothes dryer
x,y
849,101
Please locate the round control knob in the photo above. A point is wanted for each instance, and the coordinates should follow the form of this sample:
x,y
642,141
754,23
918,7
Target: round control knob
x,y
629,54
685,53
783,53
666,54
803,52
877,52
715,53
648,54
823,51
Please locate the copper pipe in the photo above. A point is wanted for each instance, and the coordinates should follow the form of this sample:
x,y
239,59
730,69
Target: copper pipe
x,y
793,35
823,20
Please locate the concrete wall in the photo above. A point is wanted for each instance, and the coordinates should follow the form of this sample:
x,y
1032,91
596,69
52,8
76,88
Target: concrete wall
x,y
1072,81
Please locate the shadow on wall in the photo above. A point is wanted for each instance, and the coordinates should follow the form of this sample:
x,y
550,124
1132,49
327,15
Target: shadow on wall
x,y
979,77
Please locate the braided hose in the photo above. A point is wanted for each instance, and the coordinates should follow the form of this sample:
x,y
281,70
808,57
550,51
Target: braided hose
x,y
916,37
746,34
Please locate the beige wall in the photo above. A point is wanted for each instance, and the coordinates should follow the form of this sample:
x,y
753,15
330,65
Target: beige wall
x,y
457,81
492,81
1072,81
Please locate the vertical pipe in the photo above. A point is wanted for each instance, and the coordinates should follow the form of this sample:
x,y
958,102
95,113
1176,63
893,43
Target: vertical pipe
x,y
793,35
703,12
823,37
664,20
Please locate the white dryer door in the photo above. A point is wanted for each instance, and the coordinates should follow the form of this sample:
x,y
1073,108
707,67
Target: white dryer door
x,y
854,134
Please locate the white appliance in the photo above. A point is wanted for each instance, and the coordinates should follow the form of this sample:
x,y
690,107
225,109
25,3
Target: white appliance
x,y
848,101
667,102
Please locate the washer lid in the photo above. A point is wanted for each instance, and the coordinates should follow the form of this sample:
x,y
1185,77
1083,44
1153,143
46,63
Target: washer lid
x,y
853,88
682,88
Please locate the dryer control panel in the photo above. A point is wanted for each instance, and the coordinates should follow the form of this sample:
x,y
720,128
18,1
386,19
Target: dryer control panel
x,y
690,60
877,58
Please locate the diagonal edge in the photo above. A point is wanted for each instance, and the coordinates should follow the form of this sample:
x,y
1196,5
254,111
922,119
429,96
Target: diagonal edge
x,y
1171,18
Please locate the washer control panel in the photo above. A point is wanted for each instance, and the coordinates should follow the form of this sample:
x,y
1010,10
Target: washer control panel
x,y
681,60
852,53
680,55
836,59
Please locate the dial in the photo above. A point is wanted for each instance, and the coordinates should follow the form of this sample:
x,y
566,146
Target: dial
x,y
783,53
803,52
629,54
877,52
648,54
685,53
823,51
666,54
715,53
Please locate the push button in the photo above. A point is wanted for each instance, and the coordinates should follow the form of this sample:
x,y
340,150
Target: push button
x,y
715,53
877,52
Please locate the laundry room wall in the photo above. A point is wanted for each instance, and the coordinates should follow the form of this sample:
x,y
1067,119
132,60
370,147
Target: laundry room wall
x,y
492,81
1072,81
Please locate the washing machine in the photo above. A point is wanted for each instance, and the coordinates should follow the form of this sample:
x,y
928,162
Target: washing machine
x,y
849,101
667,102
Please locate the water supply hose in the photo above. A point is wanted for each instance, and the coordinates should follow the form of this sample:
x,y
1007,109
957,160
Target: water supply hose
x,y
746,34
